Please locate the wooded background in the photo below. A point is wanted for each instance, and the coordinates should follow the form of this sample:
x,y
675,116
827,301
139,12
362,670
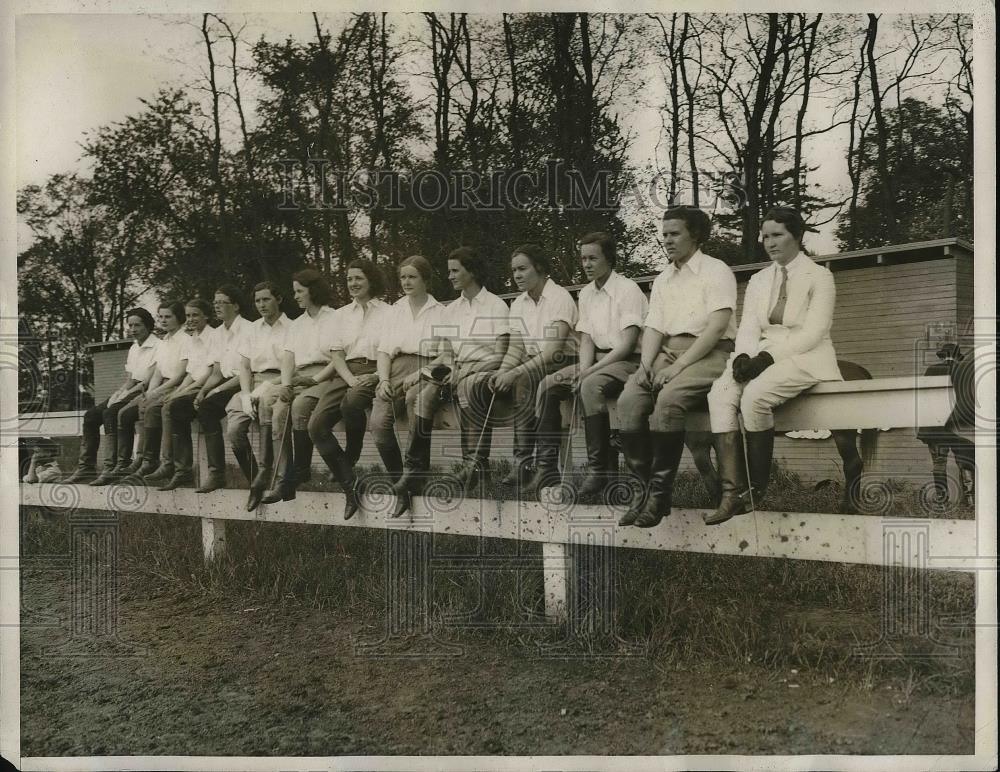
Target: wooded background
x,y
186,193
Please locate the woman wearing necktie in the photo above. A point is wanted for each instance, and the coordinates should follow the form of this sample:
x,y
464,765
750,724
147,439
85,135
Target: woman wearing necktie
x,y
783,347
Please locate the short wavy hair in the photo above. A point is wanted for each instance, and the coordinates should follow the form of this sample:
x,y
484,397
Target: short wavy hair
x,y
537,256
372,272
316,283
696,220
790,218
470,259
606,242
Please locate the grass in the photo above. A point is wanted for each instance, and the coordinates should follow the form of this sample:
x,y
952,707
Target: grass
x,y
680,609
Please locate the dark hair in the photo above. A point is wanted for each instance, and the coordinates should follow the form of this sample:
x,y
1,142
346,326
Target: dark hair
x,y
176,308
537,257
236,296
376,279
607,244
697,222
423,266
202,305
316,283
470,259
790,218
142,313
271,287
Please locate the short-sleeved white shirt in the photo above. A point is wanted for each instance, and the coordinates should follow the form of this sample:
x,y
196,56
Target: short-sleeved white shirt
x,y
682,299
309,337
228,344
170,354
356,329
404,334
199,351
263,343
536,322
473,326
607,312
141,358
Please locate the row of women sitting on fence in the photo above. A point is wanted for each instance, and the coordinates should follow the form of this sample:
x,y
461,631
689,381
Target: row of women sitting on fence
x,y
298,378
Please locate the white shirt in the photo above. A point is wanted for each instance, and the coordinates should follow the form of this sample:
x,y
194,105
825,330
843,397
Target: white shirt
x,y
536,322
141,358
228,343
473,326
263,343
309,337
682,299
170,354
356,330
607,312
404,334
199,351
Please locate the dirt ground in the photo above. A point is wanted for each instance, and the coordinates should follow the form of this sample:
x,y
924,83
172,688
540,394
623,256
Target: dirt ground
x,y
197,676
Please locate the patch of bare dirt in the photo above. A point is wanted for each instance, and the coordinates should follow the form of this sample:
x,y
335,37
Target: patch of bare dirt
x,y
196,676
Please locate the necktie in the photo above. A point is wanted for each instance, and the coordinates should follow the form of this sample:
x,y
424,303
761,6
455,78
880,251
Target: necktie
x,y
778,312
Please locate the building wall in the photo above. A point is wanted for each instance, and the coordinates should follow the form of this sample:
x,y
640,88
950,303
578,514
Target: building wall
x,y
109,370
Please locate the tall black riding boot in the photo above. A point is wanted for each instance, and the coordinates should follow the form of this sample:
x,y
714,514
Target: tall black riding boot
x,y
639,458
302,451
86,469
285,488
343,471
392,458
760,451
733,475
418,457
215,452
667,450
524,446
355,426
183,452
598,432
156,473
107,476
263,476
548,434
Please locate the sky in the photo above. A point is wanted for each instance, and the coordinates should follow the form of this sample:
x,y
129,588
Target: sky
x,y
78,72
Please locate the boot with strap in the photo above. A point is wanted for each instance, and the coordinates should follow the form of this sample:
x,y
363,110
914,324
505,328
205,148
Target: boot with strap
x,y
733,476
355,426
263,477
667,450
215,451
597,429
638,458
418,456
183,451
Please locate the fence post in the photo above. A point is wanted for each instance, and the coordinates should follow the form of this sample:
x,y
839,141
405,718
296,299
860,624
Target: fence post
x,y
555,576
213,538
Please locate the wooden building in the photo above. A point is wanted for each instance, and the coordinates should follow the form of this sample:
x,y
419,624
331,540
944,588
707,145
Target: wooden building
x,y
895,305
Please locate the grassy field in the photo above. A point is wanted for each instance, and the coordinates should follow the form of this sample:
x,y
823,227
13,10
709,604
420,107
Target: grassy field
x,y
677,608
